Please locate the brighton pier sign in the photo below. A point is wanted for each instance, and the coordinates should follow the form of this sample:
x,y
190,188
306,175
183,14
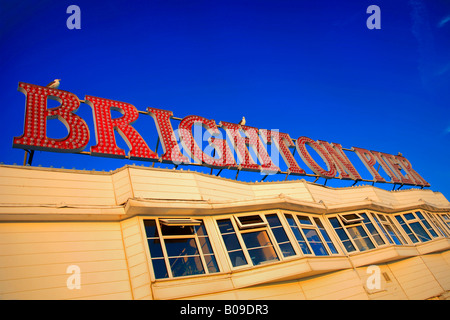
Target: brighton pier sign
x,y
181,146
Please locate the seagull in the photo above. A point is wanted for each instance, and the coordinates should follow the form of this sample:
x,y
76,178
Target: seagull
x,y
54,84
242,122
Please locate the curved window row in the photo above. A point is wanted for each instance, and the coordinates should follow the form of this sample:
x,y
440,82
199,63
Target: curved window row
x,y
183,247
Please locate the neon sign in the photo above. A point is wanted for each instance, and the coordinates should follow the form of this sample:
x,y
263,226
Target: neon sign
x,y
242,140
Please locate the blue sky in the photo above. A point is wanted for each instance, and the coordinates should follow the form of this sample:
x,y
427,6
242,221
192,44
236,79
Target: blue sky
x,y
307,68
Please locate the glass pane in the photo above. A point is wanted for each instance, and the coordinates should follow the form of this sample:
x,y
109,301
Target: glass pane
x,y
311,235
176,230
287,249
409,216
259,247
237,258
325,236
250,219
181,247
211,263
150,228
360,238
301,241
369,225
349,247
256,239
393,235
382,227
200,230
396,230
349,219
280,235
297,234
261,255
186,266
304,219
231,242
159,268
407,229
205,245
427,225
273,220
363,244
335,223
419,231
225,226
351,216
155,248
315,242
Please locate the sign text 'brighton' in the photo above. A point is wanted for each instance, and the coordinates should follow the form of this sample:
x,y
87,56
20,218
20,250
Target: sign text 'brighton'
x,y
181,146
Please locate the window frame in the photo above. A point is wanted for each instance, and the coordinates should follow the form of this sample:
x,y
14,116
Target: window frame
x,y
434,218
444,218
264,226
360,222
312,225
245,226
197,222
388,222
416,219
343,217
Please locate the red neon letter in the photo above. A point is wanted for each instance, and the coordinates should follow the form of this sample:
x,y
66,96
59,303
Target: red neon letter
x,y
396,168
105,126
384,163
406,165
306,157
240,144
369,161
220,145
282,141
167,137
343,165
36,114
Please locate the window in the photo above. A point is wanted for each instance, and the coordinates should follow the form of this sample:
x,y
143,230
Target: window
x,y
259,247
416,227
360,237
351,218
325,236
372,230
407,230
356,231
254,221
232,244
255,239
426,224
180,222
445,218
280,235
439,223
178,249
317,240
389,230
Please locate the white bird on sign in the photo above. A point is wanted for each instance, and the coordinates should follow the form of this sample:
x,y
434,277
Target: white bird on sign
x,y
242,122
54,84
